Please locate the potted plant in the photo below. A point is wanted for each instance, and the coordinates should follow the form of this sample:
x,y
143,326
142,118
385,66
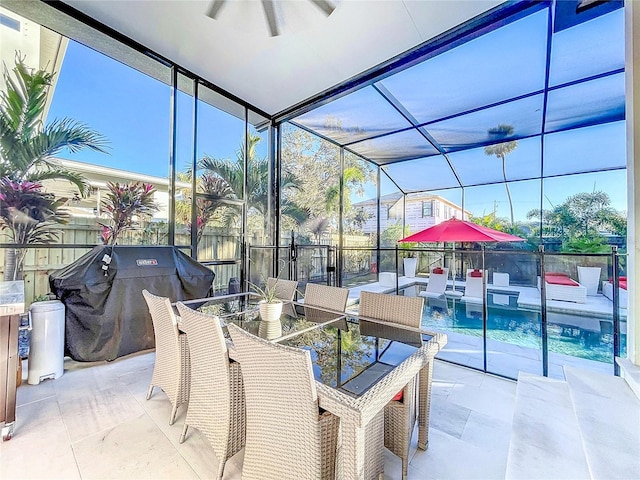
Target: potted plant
x,y
270,305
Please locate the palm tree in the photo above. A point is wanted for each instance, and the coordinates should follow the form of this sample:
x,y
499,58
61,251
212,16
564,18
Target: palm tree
x,y
501,150
258,182
28,148
216,190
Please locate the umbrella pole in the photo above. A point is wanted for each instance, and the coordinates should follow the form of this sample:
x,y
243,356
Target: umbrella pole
x,y
453,265
453,292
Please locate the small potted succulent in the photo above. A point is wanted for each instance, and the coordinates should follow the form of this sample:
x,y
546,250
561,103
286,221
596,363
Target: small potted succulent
x,y
270,305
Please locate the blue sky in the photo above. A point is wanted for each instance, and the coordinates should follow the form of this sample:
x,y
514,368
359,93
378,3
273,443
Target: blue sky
x,y
133,111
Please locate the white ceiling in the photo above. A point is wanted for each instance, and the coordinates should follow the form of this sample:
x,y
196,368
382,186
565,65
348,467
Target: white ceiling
x,y
313,54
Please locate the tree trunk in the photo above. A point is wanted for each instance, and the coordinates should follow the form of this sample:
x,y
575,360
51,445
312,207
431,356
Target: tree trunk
x,y
14,262
506,186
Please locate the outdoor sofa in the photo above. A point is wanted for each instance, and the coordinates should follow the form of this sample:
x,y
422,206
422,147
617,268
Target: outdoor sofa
x,y
623,297
559,286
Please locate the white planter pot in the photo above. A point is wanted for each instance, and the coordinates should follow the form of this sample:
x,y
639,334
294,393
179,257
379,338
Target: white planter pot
x,y
270,312
270,330
410,265
589,277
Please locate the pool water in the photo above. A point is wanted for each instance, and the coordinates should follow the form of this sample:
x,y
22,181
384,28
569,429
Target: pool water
x,y
582,337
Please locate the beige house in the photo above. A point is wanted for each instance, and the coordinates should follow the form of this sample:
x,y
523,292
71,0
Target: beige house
x,y
98,176
421,210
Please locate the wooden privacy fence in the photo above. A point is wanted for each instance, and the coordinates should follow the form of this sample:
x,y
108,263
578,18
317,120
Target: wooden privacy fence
x,y
40,262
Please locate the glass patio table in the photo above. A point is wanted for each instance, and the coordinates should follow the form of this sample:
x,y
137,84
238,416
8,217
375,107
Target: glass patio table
x,y
242,310
359,364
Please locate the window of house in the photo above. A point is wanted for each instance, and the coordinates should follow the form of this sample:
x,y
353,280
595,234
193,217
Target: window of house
x,y
9,22
427,209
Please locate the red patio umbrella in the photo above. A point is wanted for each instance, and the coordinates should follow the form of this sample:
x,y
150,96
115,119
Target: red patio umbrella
x,y
454,230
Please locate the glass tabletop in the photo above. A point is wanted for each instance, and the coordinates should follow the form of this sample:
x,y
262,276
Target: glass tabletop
x,y
353,358
245,313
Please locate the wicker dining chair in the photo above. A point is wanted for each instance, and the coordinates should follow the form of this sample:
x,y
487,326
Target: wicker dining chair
x,y
287,435
399,415
171,368
324,296
216,399
285,289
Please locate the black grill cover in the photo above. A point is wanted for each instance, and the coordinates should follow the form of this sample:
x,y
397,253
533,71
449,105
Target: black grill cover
x,y
106,314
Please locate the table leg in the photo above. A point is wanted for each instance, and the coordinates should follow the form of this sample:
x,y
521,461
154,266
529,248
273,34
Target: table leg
x,y
424,402
361,452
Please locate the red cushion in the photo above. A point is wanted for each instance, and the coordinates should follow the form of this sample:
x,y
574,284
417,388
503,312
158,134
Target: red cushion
x,y
399,396
560,280
622,282
476,273
437,270
556,274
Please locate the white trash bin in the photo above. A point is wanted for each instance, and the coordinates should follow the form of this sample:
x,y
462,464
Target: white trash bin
x,y
46,356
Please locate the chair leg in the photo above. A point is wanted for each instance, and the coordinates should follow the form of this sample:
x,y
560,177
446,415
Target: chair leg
x,y
184,433
405,468
220,470
172,419
149,392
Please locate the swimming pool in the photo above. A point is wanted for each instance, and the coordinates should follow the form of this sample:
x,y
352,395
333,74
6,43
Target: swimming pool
x,y
568,334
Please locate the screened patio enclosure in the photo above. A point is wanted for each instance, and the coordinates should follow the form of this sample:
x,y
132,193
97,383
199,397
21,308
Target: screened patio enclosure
x,y
504,117
544,84
550,81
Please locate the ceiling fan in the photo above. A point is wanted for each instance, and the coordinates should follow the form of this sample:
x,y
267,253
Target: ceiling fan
x,y
270,11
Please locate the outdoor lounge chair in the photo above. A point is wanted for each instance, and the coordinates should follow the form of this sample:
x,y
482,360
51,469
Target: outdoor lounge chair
x,y
400,414
437,283
216,398
285,289
323,296
559,286
473,290
623,296
287,435
172,365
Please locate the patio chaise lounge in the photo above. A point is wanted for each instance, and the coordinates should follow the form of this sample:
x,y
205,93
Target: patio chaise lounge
x,y
559,286
473,287
623,297
437,283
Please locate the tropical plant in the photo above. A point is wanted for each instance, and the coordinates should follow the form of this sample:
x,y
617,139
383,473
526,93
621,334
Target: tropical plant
x,y
268,293
501,150
579,220
27,147
211,205
316,163
124,205
258,182
29,215
595,244
27,154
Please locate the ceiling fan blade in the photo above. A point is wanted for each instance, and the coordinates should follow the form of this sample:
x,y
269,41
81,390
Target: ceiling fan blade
x,y
270,15
215,7
324,5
